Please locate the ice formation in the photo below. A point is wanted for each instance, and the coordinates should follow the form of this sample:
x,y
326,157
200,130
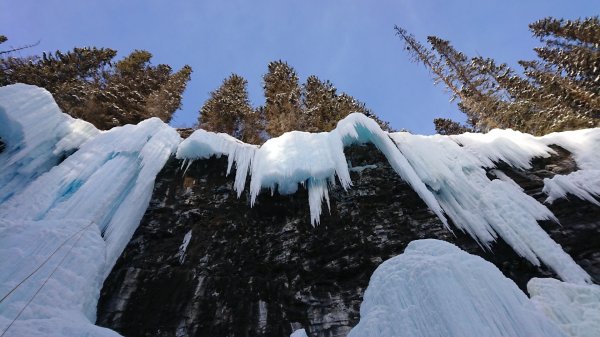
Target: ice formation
x,y
64,223
310,159
436,289
202,144
448,173
517,149
575,308
487,208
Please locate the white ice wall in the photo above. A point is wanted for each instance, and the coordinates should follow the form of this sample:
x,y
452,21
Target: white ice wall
x,y
434,289
63,225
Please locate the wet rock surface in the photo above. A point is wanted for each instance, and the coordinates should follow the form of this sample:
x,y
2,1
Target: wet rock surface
x,y
265,271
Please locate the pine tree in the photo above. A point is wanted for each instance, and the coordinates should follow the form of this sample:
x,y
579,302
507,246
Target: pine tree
x,y
557,92
324,107
282,91
167,99
445,126
228,110
319,104
87,84
314,107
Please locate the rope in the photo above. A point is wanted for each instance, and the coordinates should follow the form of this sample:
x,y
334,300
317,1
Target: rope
x,y
43,263
48,278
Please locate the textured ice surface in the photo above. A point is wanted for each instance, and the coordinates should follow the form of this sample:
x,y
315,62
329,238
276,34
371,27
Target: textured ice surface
x,y
64,223
486,208
436,289
575,308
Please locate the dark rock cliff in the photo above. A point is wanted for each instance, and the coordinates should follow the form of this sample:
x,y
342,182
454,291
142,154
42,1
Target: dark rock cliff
x,y
265,271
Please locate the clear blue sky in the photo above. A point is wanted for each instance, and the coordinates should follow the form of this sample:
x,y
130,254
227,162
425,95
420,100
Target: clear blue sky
x,y
351,43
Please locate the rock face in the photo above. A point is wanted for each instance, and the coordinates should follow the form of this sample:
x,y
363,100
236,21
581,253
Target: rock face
x,y
203,263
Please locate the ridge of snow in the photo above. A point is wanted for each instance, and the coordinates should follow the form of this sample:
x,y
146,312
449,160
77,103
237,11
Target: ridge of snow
x,y
575,308
68,221
436,289
309,159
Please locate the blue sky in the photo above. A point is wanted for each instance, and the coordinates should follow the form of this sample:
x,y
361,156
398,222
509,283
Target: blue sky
x,y
351,43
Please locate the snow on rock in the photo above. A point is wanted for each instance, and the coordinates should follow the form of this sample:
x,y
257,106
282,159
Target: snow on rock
x,y
583,145
485,208
436,289
36,135
299,333
585,183
68,221
109,181
574,308
183,248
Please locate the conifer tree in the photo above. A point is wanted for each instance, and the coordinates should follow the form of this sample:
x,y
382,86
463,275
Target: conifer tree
x,y
228,110
87,84
314,107
445,126
557,92
282,91
324,107
320,105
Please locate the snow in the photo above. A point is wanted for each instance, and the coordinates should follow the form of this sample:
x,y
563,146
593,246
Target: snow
x,y
360,169
299,333
575,308
66,222
436,289
485,208
183,248
583,145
